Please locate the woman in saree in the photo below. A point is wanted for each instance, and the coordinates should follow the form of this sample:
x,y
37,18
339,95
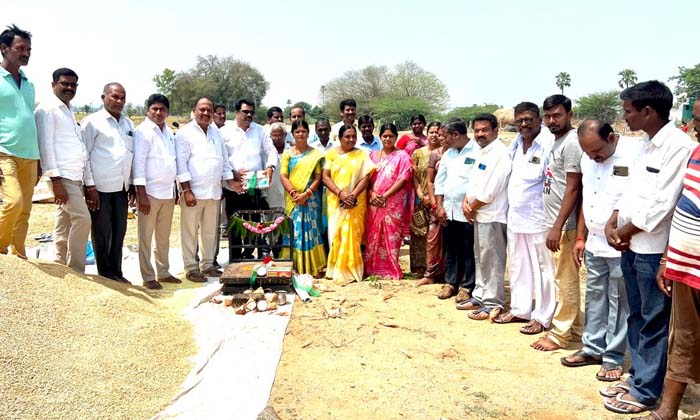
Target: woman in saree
x,y
388,215
423,203
415,139
434,256
300,173
346,174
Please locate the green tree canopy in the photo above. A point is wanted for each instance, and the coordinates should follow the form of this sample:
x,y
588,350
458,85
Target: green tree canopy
x,y
605,106
399,110
628,77
225,80
165,82
688,81
563,79
468,113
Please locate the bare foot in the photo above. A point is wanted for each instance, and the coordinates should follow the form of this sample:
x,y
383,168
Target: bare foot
x,y
424,281
658,414
545,344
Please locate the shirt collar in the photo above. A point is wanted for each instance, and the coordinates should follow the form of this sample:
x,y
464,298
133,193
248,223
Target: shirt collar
x,y
661,135
5,73
375,140
151,125
106,115
53,99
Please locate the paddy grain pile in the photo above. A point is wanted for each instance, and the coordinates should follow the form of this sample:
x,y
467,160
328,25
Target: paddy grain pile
x,y
81,347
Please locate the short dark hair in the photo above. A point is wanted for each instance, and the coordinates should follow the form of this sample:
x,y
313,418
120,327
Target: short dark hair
x,y
271,111
432,124
8,35
240,103
322,120
526,107
417,117
347,102
365,119
458,125
64,71
603,129
159,99
653,94
220,106
556,100
345,128
488,117
298,123
389,126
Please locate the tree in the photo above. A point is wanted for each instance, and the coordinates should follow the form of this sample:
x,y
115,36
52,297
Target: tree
x,y
316,113
628,77
469,112
165,82
687,81
304,105
225,80
563,80
411,81
399,110
605,106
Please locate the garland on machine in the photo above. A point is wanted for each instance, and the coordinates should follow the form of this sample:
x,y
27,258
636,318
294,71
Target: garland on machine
x,y
245,229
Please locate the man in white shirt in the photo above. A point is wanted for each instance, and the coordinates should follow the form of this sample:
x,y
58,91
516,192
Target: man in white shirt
x,y
249,149
348,110
451,184
63,159
486,207
274,114
275,194
154,177
639,227
323,136
562,187
219,117
605,169
368,141
202,165
108,137
531,266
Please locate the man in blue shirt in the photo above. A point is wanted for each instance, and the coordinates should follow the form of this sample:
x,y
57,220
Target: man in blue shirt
x,y
19,147
369,141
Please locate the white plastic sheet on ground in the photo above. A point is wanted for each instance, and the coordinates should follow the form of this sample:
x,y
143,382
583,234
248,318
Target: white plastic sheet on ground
x,y
236,364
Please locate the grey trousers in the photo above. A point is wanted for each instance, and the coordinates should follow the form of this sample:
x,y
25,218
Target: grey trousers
x,y
157,223
490,259
605,327
72,227
197,221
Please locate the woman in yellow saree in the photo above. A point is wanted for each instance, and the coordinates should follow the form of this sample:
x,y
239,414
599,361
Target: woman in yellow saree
x,y
300,173
346,174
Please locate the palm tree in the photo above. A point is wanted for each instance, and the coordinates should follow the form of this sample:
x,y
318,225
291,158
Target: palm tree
x,y
627,77
563,80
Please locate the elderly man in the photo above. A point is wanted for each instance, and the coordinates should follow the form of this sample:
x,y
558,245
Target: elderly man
x,y
451,184
249,150
639,227
202,165
486,207
562,187
63,159
605,169
19,149
348,110
155,171
531,265
108,137
275,194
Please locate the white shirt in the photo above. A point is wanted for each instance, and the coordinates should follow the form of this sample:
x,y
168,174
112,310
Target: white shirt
x,y
275,194
154,160
603,184
110,146
525,204
202,160
452,178
655,186
250,150
335,131
317,145
489,181
60,144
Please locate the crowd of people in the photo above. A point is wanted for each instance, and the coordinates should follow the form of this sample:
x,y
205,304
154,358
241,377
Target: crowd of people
x,y
554,199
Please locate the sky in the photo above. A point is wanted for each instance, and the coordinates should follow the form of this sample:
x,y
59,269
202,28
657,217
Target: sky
x,y
501,52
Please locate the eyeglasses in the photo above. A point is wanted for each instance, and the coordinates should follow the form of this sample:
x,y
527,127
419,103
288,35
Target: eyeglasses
x,y
523,120
248,112
68,84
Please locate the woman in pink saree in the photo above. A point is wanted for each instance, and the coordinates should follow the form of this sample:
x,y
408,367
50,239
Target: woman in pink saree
x,y
388,214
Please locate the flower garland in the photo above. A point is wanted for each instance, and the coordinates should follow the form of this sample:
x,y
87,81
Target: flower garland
x,y
245,228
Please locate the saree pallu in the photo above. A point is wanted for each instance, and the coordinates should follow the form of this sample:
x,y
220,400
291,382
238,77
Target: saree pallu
x,y
385,225
420,219
309,255
346,225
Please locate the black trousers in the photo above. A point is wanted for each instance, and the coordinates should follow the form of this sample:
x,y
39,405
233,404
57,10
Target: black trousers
x,y
108,231
459,254
234,202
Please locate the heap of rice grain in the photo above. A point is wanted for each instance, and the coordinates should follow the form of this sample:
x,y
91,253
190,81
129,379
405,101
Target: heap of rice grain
x,y
77,347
